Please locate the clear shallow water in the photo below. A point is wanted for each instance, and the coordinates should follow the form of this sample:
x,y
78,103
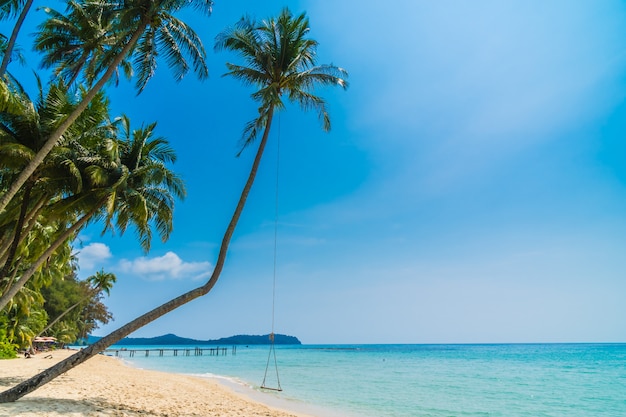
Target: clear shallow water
x,y
543,380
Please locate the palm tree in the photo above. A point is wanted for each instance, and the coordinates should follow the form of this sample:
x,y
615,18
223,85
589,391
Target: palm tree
x,y
282,63
7,9
145,194
15,54
140,193
63,176
25,320
99,282
78,41
146,29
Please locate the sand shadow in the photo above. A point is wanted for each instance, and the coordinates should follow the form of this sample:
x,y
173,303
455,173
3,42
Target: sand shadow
x,y
62,406
9,382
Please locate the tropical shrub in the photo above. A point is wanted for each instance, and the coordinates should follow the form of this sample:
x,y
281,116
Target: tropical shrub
x,y
8,350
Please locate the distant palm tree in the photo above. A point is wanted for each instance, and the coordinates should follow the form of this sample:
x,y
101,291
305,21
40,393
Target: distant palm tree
x,y
145,30
282,64
99,282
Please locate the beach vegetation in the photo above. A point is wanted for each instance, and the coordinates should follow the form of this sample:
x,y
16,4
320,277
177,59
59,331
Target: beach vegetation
x,y
102,171
57,201
65,163
141,31
280,62
7,350
76,306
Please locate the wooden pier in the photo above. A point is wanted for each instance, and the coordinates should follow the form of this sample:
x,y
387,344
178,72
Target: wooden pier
x,y
198,351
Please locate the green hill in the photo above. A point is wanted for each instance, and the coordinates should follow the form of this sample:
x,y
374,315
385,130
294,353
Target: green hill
x,y
172,339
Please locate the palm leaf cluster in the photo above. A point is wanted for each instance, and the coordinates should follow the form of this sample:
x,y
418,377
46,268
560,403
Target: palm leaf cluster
x,y
64,162
280,61
101,170
92,40
90,37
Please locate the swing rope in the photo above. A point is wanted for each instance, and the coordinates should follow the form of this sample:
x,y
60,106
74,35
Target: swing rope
x,y
272,348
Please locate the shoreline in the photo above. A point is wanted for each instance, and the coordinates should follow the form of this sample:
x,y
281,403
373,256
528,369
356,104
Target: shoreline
x,y
107,386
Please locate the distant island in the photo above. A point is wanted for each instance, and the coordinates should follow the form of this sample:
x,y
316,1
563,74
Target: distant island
x,y
172,339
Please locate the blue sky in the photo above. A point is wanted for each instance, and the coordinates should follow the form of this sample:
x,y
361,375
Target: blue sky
x,y
472,189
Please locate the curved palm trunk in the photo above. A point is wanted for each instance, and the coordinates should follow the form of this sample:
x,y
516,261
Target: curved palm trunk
x,y
8,295
49,374
11,44
56,135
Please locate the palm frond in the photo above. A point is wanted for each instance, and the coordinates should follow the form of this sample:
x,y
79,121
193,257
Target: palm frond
x,y
182,38
10,8
279,60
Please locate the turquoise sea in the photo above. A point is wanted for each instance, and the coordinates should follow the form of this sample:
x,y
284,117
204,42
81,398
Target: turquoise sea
x,y
516,380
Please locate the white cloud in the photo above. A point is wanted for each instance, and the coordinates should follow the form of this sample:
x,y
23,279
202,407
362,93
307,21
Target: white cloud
x,y
168,266
93,255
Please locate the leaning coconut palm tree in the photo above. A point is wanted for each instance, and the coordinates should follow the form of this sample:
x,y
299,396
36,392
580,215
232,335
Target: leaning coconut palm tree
x,y
145,30
282,61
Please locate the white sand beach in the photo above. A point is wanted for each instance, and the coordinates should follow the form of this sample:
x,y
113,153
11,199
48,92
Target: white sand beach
x,y
105,386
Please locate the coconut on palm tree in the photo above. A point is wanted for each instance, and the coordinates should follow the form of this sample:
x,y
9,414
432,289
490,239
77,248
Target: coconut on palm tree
x,y
281,64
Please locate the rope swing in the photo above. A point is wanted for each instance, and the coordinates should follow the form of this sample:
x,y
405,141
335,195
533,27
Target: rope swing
x,y
272,352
